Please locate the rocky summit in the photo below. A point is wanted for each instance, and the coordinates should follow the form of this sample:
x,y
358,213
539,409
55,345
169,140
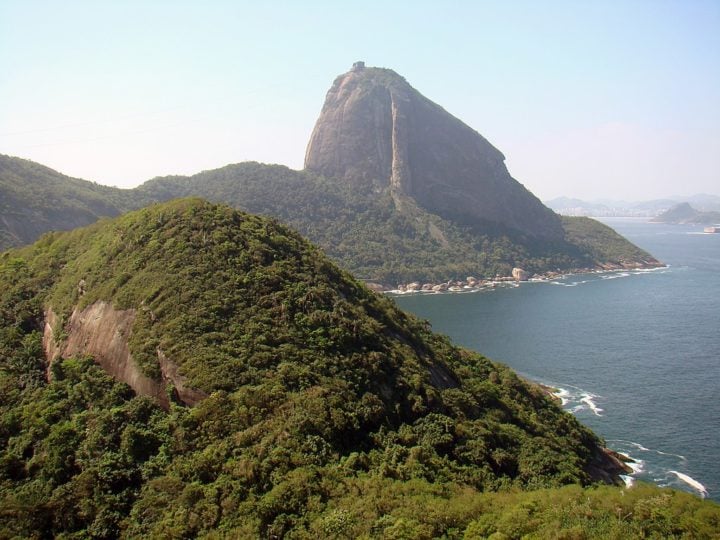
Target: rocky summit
x,y
377,132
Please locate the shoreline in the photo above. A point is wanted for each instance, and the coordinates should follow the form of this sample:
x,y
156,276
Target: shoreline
x,y
472,284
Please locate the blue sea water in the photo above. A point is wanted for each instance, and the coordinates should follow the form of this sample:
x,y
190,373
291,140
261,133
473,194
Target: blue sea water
x,y
636,354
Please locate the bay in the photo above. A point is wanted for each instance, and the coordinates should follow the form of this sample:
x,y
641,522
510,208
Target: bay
x,y
634,354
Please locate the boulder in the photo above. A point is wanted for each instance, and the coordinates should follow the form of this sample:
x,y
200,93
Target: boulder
x,y
519,274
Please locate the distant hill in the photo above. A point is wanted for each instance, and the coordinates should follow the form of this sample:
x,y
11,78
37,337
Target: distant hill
x,y
366,234
615,208
300,381
35,199
703,202
684,213
395,190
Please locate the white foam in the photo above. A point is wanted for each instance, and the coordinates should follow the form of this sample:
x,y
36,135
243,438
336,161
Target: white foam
x,y
563,394
641,447
659,269
645,449
576,399
637,465
629,480
690,481
588,400
670,454
615,275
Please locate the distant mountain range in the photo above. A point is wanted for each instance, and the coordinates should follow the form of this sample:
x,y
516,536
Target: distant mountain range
x,y
614,208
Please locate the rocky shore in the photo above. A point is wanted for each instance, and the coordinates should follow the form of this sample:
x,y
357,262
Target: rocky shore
x,y
518,275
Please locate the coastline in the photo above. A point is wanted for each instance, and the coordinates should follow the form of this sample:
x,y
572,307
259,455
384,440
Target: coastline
x,y
608,466
635,419
472,284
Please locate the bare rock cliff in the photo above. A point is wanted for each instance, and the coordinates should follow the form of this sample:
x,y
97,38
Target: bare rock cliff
x,y
102,332
378,132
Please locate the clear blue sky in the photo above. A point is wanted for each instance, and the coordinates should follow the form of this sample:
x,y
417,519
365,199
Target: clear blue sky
x,y
615,99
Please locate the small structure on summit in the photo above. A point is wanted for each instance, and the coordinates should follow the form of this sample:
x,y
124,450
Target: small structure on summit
x,y
358,66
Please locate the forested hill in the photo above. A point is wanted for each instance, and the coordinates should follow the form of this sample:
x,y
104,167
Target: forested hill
x,y
293,401
363,232
366,234
35,199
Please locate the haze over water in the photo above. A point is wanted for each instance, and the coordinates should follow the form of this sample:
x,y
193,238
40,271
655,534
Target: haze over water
x,y
635,354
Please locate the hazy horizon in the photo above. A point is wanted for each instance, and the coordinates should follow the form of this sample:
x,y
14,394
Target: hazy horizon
x,y
599,100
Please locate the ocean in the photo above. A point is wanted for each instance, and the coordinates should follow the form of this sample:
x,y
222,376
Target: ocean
x,y
635,355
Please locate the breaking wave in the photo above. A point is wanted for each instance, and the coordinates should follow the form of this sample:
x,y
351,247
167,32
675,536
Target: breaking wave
x,y
576,399
690,481
662,467
569,281
657,466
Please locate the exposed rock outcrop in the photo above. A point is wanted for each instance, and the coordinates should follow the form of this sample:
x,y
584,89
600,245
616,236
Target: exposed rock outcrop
x,y
171,372
102,332
519,274
378,132
607,466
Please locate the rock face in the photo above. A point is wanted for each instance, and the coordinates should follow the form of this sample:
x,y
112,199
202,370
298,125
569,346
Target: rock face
x,y
378,132
519,274
101,331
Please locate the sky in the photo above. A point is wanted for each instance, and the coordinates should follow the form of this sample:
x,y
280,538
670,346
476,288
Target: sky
x,y
589,99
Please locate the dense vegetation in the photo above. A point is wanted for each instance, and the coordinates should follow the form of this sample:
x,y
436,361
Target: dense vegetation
x,y
600,242
364,232
86,459
359,229
35,199
40,187
330,413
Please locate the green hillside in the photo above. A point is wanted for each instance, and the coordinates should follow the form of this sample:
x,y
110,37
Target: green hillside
x,y
361,230
35,199
365,233
326,411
